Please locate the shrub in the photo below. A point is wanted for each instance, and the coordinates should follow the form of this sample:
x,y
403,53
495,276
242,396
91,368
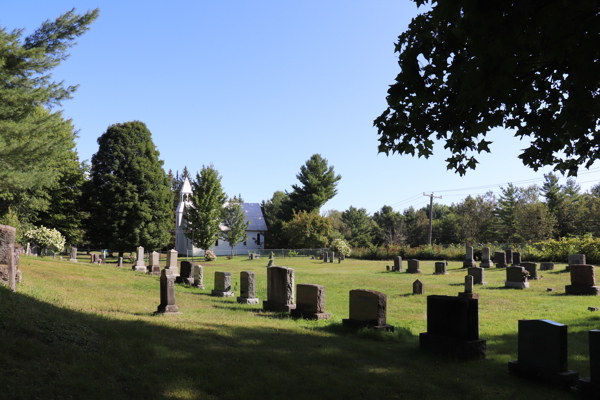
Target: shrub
x,y
339,246
209,255
47,238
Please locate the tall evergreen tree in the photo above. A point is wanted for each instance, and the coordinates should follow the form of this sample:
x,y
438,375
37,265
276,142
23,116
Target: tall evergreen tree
x,y
205,214
506,212
234,221
360,225
129,194
318,185
273,211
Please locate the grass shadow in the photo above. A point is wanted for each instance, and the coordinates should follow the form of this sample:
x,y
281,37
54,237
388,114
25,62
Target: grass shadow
x,y
241,308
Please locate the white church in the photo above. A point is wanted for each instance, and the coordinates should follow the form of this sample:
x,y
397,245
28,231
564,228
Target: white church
x,y
254,234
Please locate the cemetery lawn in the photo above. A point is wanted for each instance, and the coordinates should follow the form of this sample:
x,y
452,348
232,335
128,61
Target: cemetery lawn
x,y
85,331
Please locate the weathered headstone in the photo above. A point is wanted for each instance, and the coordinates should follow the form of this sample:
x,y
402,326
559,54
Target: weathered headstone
x,y
92,258
310,302
73,257
167,294
516,278
500,259
486,261
516,258
9,256
120,264
453,328
281,289
331,256
398,264
172,261
198,276
414,267
248,288
186,275
530,267
368,308
542,352
139,262
509,256
441,268
477,274
469,261
223,284
546,266
468,293
28,251
575,259
325,257
590,387
418,287
12,268
583,280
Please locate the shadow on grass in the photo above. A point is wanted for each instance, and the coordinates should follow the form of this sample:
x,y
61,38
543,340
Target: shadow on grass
x,y
242,307
49,352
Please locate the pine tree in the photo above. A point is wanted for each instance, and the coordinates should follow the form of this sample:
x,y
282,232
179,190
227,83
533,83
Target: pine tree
x,y
129,197
506,212
203,217
234,221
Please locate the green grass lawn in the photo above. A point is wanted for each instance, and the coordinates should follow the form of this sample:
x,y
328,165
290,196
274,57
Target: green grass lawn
x,y
85,331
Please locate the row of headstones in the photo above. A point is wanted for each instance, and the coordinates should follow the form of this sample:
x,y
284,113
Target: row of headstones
x,y
330,256
414,266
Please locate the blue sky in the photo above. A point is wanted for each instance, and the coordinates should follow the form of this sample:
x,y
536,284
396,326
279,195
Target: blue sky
x,y
255,88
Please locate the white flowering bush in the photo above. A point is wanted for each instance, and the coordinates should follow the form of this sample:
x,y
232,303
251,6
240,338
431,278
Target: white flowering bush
x,y
339,246
47,238
209,256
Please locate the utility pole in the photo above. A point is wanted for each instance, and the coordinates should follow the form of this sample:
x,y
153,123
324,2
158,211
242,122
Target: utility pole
x,y
431,196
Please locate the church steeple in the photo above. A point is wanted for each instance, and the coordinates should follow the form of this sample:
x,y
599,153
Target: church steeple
x,y
186,190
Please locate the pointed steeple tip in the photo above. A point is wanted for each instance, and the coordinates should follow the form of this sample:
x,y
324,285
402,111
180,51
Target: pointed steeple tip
x,y
186,188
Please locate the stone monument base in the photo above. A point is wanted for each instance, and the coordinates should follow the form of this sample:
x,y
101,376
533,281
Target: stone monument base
x,y
588,389
155,270
73,259
198,286
219,293
309,315
248,300
501,265
568,378
272,306
468,295
167,310
186,281
581,289
469,264
485,264
452,347
441,273
356,324
139,268
516,285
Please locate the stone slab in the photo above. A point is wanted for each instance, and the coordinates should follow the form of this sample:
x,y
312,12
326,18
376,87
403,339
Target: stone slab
x,y
583,274
542,344
453,317
310,298
248,284
414,267
516,285
546,266
167,294
248,300
530,267
154,270
582,290
478,275
223,282
281,289
368,306
441,268
277,307
220,293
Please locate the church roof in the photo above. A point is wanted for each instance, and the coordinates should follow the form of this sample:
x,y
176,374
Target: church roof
x,y
254,214
186,188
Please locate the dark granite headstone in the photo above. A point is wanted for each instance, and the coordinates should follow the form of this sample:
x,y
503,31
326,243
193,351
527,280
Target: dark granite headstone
x,y
368,308
441,268
583,280
186,274
414,267
469,260
509,256
500,259
310,302
398,264
531,267
486,261
477,274
542,351
167,294
325,257
453,328
546,266
418,287
516,278
590,387
516,258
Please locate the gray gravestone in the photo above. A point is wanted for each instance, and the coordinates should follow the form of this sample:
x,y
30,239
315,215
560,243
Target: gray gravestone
x,y
453,328
198,276
509,256
516,258
310,302
248,288
486,261
546,266
418,287
368,308
590,387
530,267
92,258
398,264
167,294
500,259
172,261
441,268
139,262
468,293
576,259
223,284
583,280
469,261
28,251
331,256
414,267
73,257
325,257
477,274
186,275
516,278
12,268
281,287
120,264
8,269
542,350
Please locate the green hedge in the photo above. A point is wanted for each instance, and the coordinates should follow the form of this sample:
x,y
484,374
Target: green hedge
x,y
548,250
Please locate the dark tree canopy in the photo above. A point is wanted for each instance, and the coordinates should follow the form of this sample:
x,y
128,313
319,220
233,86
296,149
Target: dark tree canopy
x,y
129,193
469,66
